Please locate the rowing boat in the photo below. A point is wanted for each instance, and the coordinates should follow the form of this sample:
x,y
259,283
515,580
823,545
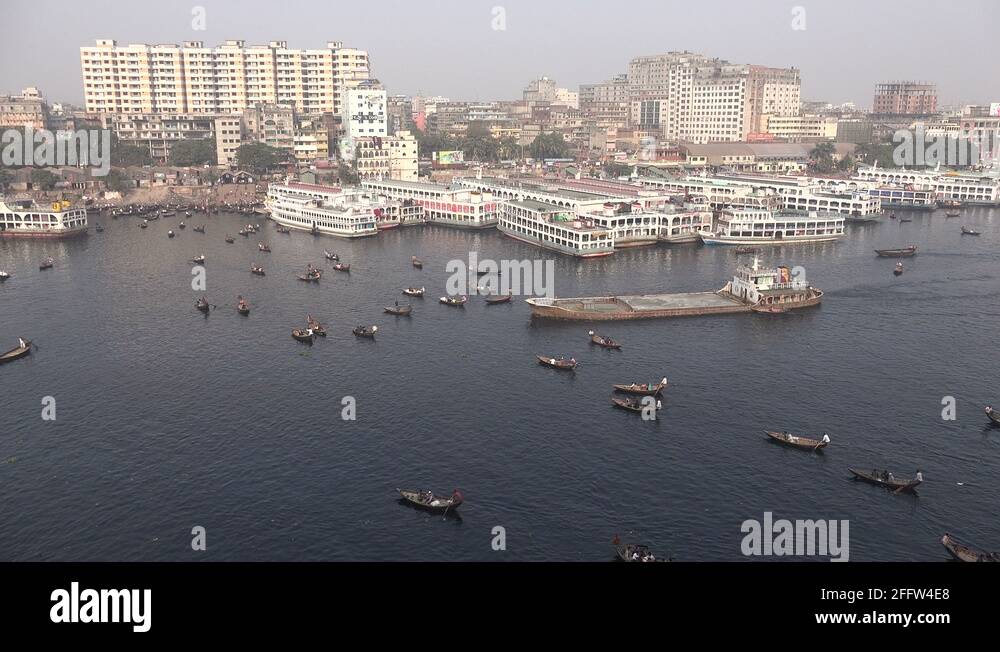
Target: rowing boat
x,y
605,342
22,349
905,252
414,292
492,301
644,389
366,331
963,552
454,301
557,363
634,404
397,309
430,501
303,335
417,262
633,552
992,414
888,480
805,443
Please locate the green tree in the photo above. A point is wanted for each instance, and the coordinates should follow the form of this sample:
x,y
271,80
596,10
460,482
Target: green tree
x,y
549,146
200,151
117,181
615,170
822,157
260,157
126,155
347,175
43,179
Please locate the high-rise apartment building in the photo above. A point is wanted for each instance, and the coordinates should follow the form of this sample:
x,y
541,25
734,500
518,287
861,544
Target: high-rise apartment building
x,y
905,98
227,79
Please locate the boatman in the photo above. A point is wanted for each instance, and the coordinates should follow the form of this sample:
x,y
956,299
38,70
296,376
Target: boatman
x,y
23,344
826,438
920,476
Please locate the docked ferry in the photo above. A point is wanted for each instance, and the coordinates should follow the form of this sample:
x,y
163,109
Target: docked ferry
x,y
323,209
634,226
554,228
755,227
905,197
25,219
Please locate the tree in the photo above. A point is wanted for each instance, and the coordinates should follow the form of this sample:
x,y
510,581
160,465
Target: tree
x,y
822,157
43,179
199,151
260,157
347,175
126,155
549,146
615,170
117,181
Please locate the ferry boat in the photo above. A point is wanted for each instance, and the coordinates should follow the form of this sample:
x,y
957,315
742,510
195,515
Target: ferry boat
x,y
322,209
982,188
25,219
634,226
555,228
753,288
905,197
753,227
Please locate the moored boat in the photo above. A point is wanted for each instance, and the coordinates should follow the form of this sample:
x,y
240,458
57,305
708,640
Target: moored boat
x,y
905,252
952,212
428,500
887,480
643,389
806,443
315,326
22,349
962,552
560,363
766,309
602,341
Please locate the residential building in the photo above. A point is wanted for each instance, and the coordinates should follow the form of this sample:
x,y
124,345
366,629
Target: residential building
x,y
271,124
392,157
365,115
904,98
158,132
228,138
227,79
25,110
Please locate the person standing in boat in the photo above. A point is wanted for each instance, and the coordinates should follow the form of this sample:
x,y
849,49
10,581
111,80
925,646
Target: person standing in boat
x,y
23,344
920,476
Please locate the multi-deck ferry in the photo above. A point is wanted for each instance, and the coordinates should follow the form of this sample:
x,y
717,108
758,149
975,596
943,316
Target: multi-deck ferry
x,y
555,228
25,219
966,187
906,197
324,210
755,227
634,226
753,288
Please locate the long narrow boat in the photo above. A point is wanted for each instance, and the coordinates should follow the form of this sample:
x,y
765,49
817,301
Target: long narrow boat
x,y
255,269
557,363
414,292
643,389
905,252
805,443
962,552
454,301
634,404
430,501
992,414
397,309
22,349
602,341
633,552
505,298
366,331
968,231
888,480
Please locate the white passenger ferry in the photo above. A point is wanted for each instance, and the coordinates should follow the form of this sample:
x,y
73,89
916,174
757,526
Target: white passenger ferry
x,y
981,188
25,219
634,226
753,227
555,228
324,209
906,197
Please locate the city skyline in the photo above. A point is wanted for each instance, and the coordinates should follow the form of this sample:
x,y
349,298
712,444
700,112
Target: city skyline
x,y
448,38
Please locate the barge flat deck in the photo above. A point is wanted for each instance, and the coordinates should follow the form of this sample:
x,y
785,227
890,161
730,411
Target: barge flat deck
x,y
639,306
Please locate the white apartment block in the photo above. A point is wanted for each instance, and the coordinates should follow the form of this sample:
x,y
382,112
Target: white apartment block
x,y
391,158
365,115
157,132
228,138
227,79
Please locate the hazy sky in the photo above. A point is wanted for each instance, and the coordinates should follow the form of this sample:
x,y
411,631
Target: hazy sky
x,y
449,47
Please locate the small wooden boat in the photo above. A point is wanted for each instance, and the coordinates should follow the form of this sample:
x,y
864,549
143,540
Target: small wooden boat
x,y
633,404
992,414
768,309
560,363
167,213
314,230
366,331
263,247
99,228
144,224
182,225
187,213
644,389
454,301
952,212
951,203
259,271
199,260
602,341
968,231
962,552
244,233
282,229
399,310
198,229
905,252
505,298
788,439
888,480
905,219
315,326
745,250
898,270
414,292
4,275
170,234
892,216
310,278
202,304
417,262
46,264
342,267
303,335
242,306
633,552
329,255
22,349
430,501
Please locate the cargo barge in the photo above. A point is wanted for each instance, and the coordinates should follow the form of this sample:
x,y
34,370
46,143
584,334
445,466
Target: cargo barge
x,y
753,288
